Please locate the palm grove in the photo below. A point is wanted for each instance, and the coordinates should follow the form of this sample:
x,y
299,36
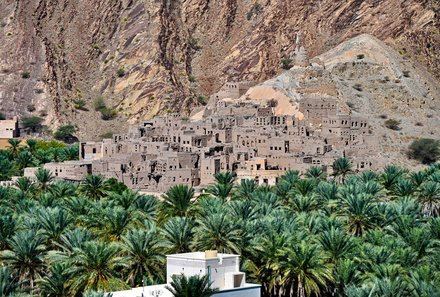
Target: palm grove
x,y
364,234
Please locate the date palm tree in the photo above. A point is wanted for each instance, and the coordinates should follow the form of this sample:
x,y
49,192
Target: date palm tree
x,y
54,283
336,244
8,283
53,222
7,229
94,268
178,235
391,176
217,232
143,253
44,178
223,186
7,169
359,212
245,189
62,189
70,153
196,285
305,264
26,256
341,168
94,186
32,145
178,201
24,159
14,146
429,198
25,184
316,172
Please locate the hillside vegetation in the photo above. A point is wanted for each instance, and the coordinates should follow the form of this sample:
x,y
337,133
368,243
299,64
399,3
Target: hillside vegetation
x,y
365,234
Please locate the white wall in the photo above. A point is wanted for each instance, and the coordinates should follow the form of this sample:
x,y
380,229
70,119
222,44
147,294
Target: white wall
x,y
241,292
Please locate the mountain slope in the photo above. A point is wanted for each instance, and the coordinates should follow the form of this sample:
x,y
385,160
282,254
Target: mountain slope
x,y
171,52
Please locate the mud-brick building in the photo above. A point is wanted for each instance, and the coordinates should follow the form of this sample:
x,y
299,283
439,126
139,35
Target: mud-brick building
x,y
232,134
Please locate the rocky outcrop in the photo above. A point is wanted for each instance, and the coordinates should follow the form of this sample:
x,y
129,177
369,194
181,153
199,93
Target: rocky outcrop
x,y
170,52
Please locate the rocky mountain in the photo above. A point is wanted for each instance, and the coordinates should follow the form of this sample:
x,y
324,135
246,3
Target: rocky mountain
x,y
368,79
144,57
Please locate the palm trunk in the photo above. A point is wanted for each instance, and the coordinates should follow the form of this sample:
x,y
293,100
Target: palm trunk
x,y
301,291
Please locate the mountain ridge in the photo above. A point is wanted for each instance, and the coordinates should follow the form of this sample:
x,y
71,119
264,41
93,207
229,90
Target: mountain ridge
x,y
173,52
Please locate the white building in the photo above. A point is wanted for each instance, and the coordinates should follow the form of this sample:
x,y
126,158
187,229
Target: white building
x,y
223,271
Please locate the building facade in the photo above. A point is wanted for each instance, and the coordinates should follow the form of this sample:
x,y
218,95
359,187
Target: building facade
x,y
223,271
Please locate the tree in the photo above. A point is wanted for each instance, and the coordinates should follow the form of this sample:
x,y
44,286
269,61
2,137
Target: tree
x,y
26,256
196,285
316,172
14,146
32,145
32,123
120,72
429,197
178,201
70,153
66,133
305,264
8,283
392,124
178,235
7,230
94,268
341,168
52,222
24,159
143,255
94,186
359,211
223,186
54,283
217,232
336,243
286,63
425,150
44,178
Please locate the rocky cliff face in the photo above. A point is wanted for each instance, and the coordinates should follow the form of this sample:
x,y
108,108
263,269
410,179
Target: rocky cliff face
x,y
149,56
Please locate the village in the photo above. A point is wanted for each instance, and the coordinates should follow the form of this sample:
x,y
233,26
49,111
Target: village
x,y
255,139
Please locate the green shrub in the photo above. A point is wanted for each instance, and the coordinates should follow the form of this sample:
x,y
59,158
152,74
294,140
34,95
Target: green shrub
x,y
360,56
32,123
286,63
192,78
108,113
392,124
99,103
425,150
80,104
25,74
65,133
2,116
203,100
120,72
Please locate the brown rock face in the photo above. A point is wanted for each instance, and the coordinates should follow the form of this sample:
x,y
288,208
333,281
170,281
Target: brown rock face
x,y
144,57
